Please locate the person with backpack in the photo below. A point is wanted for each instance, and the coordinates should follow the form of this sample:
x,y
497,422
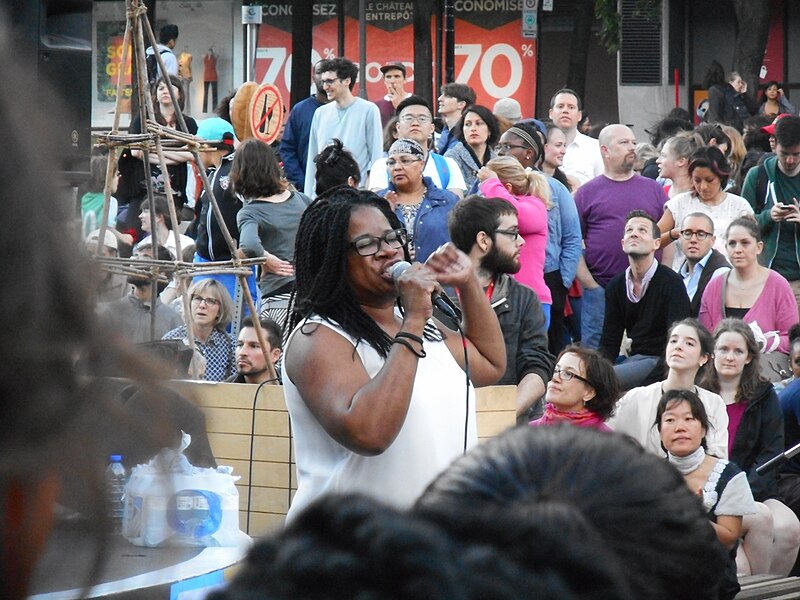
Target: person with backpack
x,y
773,190
727,98
167,38
415,122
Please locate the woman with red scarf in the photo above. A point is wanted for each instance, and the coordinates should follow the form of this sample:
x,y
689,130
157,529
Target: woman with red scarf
x,y
582,391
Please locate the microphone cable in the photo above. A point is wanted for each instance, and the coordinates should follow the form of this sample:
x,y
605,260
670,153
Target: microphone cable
x,y
252,446
468,383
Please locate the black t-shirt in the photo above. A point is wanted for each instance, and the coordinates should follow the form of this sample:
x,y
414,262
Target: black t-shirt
x,y
132,170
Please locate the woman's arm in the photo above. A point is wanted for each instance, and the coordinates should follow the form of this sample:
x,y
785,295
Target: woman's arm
x,y
571,238
728,528
770,444
666,224
363,414
711,304
171,157
250,244
785,314
486,348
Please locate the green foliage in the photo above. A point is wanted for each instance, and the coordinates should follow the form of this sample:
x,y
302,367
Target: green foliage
x,y
606,12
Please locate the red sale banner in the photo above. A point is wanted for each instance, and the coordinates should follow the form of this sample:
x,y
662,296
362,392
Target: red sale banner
x,y
491,55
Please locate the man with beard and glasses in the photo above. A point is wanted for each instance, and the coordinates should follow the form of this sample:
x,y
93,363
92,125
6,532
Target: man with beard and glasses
x,y
642,301
487,231
251,366
130,316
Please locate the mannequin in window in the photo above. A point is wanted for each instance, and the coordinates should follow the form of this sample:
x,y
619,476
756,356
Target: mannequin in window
x,y
209,78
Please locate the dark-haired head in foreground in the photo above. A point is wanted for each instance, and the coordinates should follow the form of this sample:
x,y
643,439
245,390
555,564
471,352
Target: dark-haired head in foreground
x,y
345,547
594,496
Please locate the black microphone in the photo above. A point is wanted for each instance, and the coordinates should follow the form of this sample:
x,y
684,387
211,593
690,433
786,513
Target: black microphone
x,y
438,298
774,463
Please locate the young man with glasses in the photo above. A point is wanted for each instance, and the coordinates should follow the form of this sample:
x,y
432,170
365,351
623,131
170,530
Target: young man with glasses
x,y
642,303
703,262
355,121
415,122
487,231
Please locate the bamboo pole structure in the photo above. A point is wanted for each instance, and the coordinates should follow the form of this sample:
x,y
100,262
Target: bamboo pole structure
x,y
158,138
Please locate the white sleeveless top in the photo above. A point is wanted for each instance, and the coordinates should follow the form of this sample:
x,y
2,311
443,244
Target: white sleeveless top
x,y
431,437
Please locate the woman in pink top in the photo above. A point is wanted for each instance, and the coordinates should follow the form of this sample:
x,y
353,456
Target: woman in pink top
x,y
504,177
750,291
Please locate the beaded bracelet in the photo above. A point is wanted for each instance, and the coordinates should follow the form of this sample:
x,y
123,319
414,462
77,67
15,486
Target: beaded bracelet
x,y
420,354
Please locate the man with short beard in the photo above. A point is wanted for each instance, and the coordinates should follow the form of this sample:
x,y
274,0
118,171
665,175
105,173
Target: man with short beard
x,y
487,231
642,301
251,366
130,316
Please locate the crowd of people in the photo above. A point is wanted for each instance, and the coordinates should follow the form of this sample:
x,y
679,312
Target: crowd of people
x,y
645,292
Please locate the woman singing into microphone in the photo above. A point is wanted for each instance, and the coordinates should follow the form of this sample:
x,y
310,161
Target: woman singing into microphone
x,y
375,387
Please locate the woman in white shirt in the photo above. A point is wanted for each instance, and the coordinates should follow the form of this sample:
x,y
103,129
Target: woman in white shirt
x,y
689,349
709,171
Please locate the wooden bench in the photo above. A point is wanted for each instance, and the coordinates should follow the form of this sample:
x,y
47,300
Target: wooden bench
x,y
774,587
229,413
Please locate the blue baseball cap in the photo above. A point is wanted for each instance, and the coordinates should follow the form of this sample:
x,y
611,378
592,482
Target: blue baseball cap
x,y
216,129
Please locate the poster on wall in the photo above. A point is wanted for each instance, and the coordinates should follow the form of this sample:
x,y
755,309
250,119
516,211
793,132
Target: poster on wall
x,y
108,56
110,35
490,53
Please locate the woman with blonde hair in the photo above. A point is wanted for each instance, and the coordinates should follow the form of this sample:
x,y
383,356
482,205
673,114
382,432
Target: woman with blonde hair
x,y
673,163
212,310
528,190
736,154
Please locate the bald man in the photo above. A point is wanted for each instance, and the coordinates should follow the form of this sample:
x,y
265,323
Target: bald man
x,y
602,204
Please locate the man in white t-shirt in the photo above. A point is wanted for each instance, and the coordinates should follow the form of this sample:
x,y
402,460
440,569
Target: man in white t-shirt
x,y
415,122
582,160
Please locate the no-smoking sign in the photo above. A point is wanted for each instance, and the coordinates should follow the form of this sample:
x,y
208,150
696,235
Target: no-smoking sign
x,y
266,113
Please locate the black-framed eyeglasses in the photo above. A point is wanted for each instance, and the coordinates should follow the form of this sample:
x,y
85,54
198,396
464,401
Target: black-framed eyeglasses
x,y
421,119
391,163
506,147
367,245
701,235
568,375
324,82
512,233
208,301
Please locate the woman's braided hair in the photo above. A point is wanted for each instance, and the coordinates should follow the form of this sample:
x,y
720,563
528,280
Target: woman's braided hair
x,y
321,285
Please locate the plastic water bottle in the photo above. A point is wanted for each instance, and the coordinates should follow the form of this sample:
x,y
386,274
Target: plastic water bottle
x,y
115,488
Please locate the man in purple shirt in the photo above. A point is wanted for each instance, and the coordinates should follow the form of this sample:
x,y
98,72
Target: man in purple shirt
x,y
602,205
